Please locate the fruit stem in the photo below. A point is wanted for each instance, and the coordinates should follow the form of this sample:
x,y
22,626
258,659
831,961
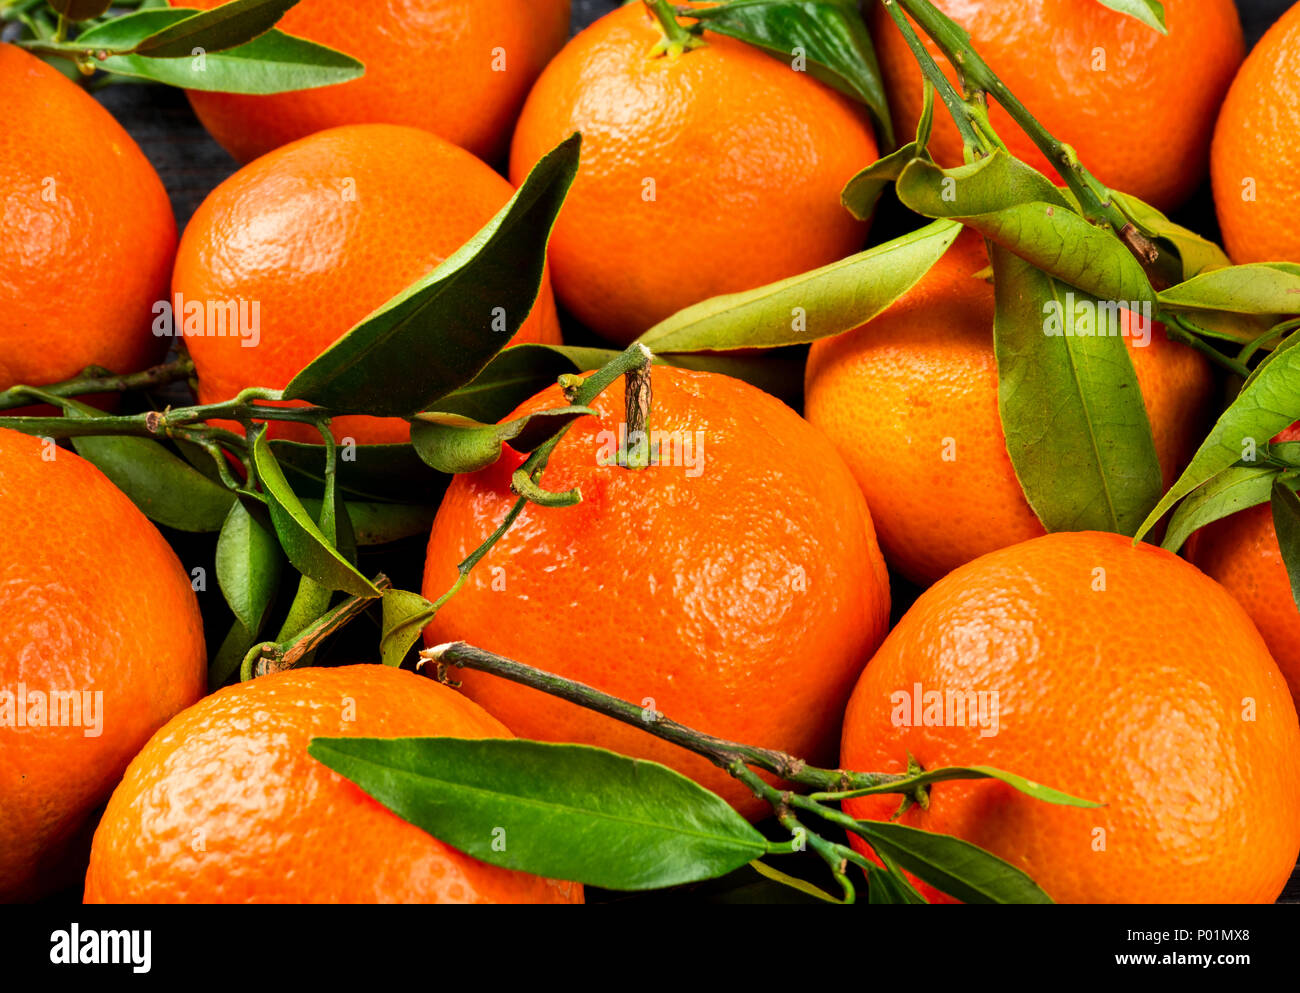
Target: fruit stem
x,y
638,399
1094,198
719,751
98,380
676,39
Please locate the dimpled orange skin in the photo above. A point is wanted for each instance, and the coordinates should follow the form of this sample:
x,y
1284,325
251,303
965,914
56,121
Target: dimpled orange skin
x,y
458,68
275,825
743,601
88,232
1141,122
323,232
895,392
1255,139
92,600
1109,695
747,159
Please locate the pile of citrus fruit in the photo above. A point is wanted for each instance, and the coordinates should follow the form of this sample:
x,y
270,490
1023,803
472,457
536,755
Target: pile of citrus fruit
x,y
734,574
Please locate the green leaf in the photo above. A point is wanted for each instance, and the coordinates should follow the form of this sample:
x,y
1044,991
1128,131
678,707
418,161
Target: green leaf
x,y
379,523
1076,426
273,63
860,194
952,865
949,773
228,26
776,371
1017,207
817,304
249,562
373,473
1268,402
312,601
1149,12
517,374
890,886
831,35
164,486
437,335
1233,489
562,811
1258,288
1286,522
310,552
452,443
794,882
80,10
1195,254
227,659
405,617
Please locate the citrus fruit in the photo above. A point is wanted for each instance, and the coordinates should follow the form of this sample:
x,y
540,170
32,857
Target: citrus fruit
x,y
1241,551
313,237
225,805
910,399
1118,674
1256,154
1137,106
457,68
89,235
101,642
735,586
712,172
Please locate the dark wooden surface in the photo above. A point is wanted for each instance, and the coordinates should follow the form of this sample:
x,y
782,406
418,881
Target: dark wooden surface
x,y
191,164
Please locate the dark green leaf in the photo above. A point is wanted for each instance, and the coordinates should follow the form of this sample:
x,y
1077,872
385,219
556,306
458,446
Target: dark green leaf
x,y
1267,403
249,562
405,617
438,335
373,473
166,487
225,663
378,523
1233,489
1149,12
80,10
885,887
830,34
228,26
1091,464
1286,522
817,304
452,443
515,375
310,552
777,371
562,811
956,867
1014,206
1259,288
274,63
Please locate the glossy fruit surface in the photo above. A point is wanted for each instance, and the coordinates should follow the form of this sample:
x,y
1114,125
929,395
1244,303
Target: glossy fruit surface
x,y
314,237
457,68
713,172
100,643
1256,154
87,235
738,590
1137,106
1115,673
224,805
910,399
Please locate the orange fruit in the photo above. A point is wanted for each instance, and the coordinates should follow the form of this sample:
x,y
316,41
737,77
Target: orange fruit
x,y
101,642
1118,674
738,590
713,172
224,805
1241,551
315,236
457,68
910,399
1255,156
1137,106
89,235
